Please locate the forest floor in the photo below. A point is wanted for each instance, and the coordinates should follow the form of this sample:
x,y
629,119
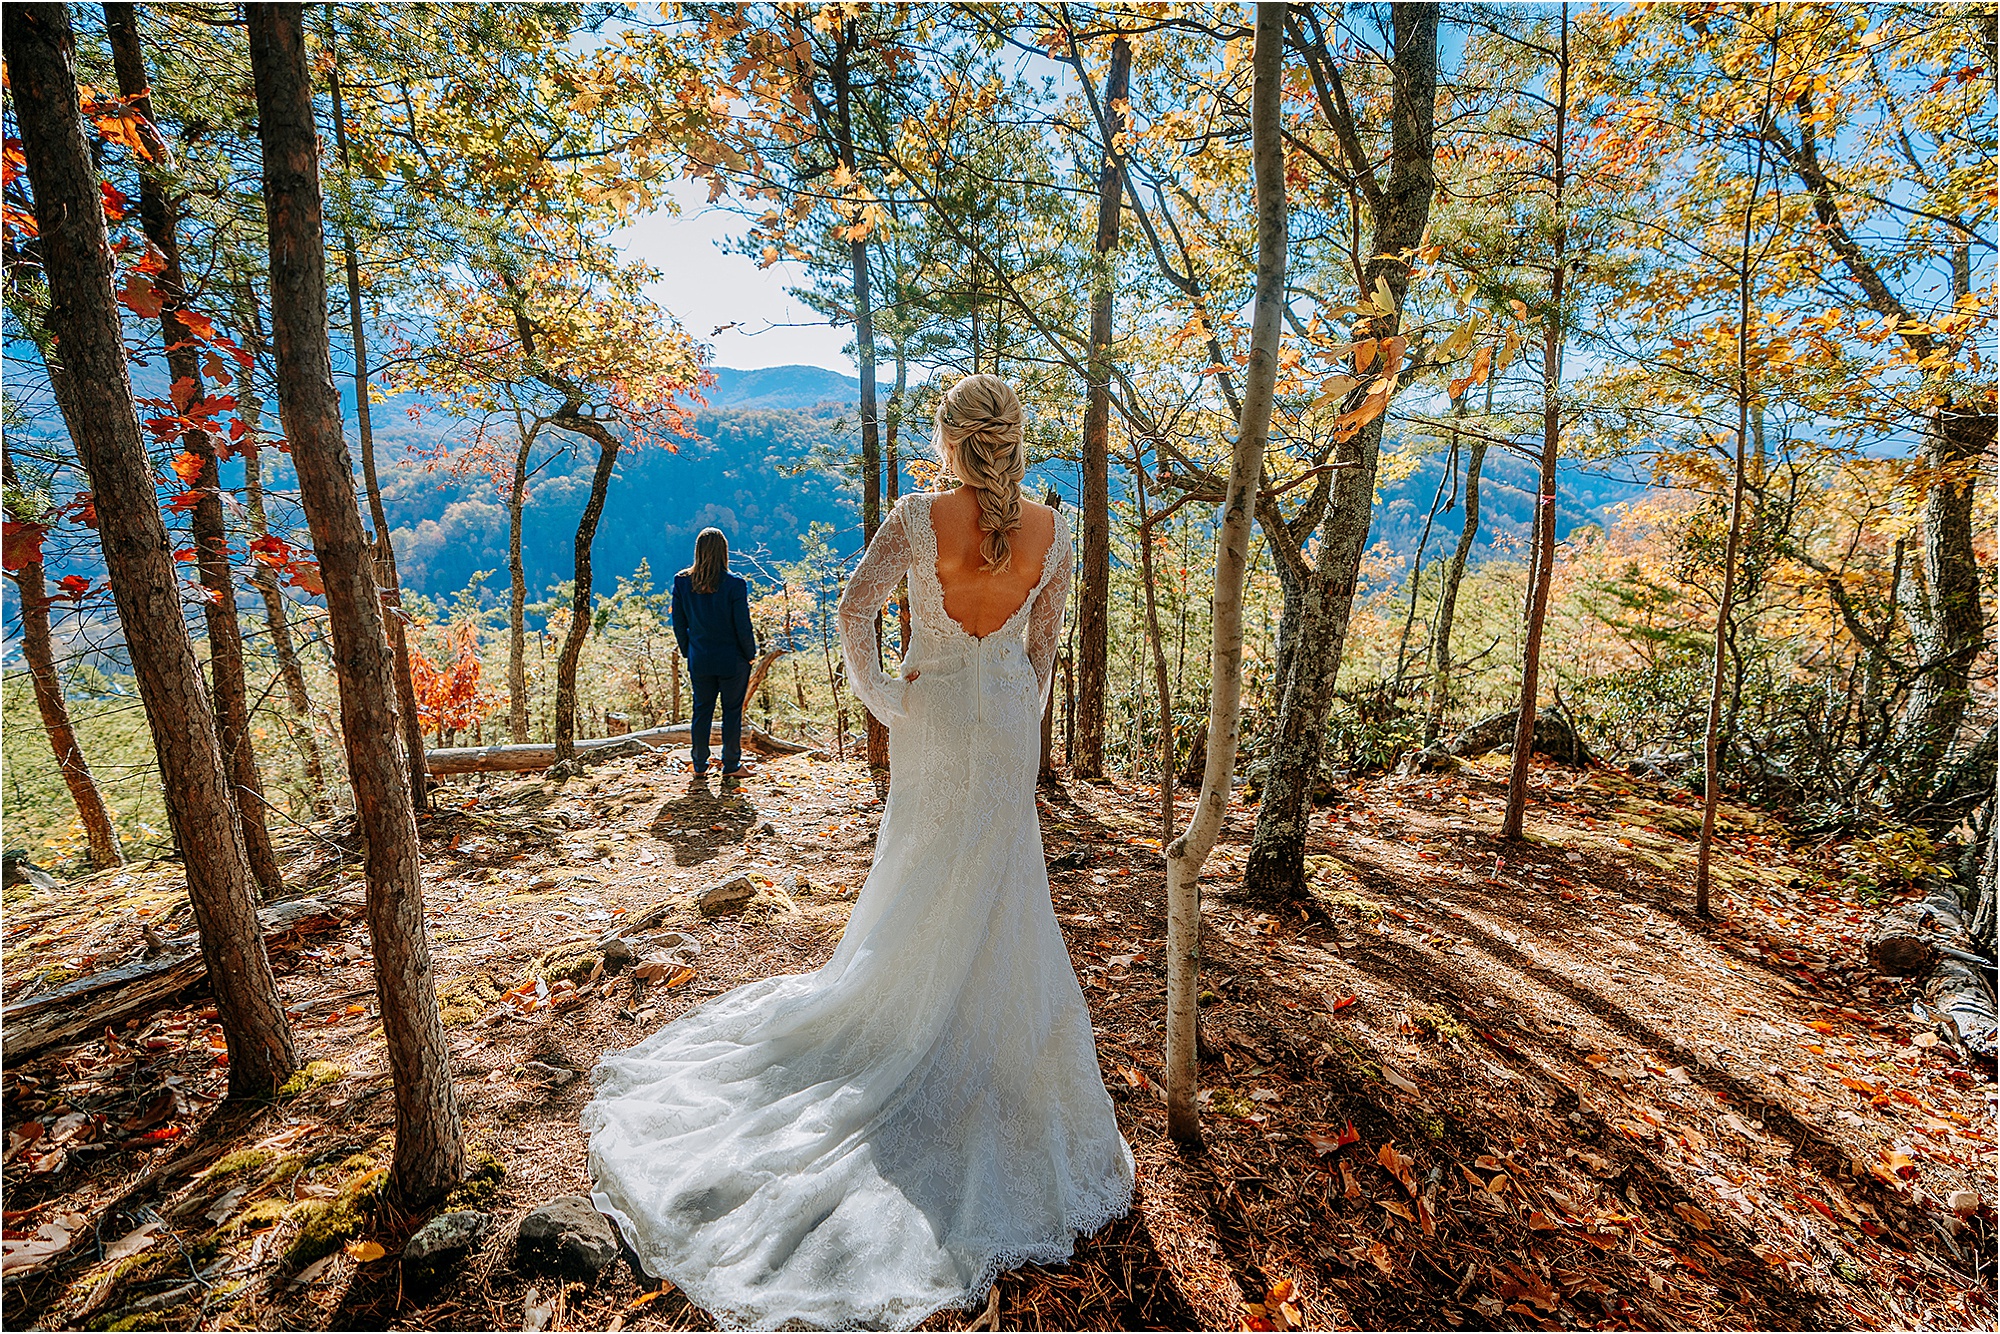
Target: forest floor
x,y
1467,1084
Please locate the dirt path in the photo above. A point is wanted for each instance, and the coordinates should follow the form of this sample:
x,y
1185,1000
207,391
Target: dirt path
x,y
1466,1085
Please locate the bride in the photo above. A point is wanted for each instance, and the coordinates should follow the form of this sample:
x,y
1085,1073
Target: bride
x,y
865,1144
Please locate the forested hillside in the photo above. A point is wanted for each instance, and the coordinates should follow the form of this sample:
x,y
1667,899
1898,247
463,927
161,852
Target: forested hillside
x,y
1517,771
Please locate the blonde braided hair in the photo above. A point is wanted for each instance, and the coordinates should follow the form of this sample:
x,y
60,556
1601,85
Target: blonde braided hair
x,y
979,437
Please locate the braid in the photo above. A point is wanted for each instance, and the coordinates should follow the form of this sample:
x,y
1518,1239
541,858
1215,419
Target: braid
x,y
979,422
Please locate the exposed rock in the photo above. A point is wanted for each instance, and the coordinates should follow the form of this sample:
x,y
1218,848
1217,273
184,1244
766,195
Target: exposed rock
x,y
555,1076
1554,737
617,953
440,1246
566,1236
743,893
1429,760
16,869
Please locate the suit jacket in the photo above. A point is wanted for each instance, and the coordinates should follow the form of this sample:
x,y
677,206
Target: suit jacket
x,y
714,628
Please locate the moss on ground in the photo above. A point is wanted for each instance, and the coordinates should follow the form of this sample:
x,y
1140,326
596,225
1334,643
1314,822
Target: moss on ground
x,y
481,1184
242,1160
314,1075
574,962
464,999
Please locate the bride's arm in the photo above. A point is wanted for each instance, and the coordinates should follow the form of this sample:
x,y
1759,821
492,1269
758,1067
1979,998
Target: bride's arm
x,y
1046,620
884,563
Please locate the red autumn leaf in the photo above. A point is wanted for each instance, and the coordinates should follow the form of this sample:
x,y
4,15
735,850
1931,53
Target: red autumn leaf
x,y
1344,1002
23,543
141,297
85,506
116,205
183,392
236,353
74,586
122,130
185,554
184,503
187,466
270,550
305,574
198,324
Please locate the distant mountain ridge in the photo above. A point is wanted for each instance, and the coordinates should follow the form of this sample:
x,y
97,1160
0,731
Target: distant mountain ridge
x,y
786,388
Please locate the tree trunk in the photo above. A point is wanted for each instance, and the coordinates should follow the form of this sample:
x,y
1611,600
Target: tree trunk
x,y
579,615
230,694
1545,499
104,425
1186,854
517,600
517,759
892,467
1046,771
1093,602
864,357
1454,575
384,564
250,408
1161,684
38,654
1711,758
1401,210
429,1153
1947,618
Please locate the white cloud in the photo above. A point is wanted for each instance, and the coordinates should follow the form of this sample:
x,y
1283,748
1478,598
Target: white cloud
x,y
708,288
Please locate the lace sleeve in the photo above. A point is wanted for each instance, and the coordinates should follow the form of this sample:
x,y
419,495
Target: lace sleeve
x,y
882,565
1045,622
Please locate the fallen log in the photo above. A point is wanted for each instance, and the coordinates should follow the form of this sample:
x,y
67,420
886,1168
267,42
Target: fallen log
x,y
1927,937
518,759
89,1004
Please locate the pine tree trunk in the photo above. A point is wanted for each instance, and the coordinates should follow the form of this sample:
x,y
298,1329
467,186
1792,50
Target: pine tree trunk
x,y
104,425
579,616
38,655
250,408
1275,869
230,693
1454,575
384,563
864,357
429,1153
1186,854
517,599
1093,601
1513,821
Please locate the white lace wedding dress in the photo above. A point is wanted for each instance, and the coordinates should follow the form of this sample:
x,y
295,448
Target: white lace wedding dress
x,y
859,1146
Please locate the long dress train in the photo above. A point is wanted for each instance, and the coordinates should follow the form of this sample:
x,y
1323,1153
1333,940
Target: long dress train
x,y
864,1144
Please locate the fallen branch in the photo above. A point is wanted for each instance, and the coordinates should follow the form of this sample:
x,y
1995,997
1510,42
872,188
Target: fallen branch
x,y
90,1004
515,759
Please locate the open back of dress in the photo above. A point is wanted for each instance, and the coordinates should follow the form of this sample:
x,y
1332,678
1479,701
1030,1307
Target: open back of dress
x,y
864,1144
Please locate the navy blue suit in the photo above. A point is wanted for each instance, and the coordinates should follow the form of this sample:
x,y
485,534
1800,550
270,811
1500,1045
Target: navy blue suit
x,y
719,644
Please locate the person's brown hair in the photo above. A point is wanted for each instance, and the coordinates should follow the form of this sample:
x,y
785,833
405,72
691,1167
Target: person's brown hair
x,y
711,560
979,436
